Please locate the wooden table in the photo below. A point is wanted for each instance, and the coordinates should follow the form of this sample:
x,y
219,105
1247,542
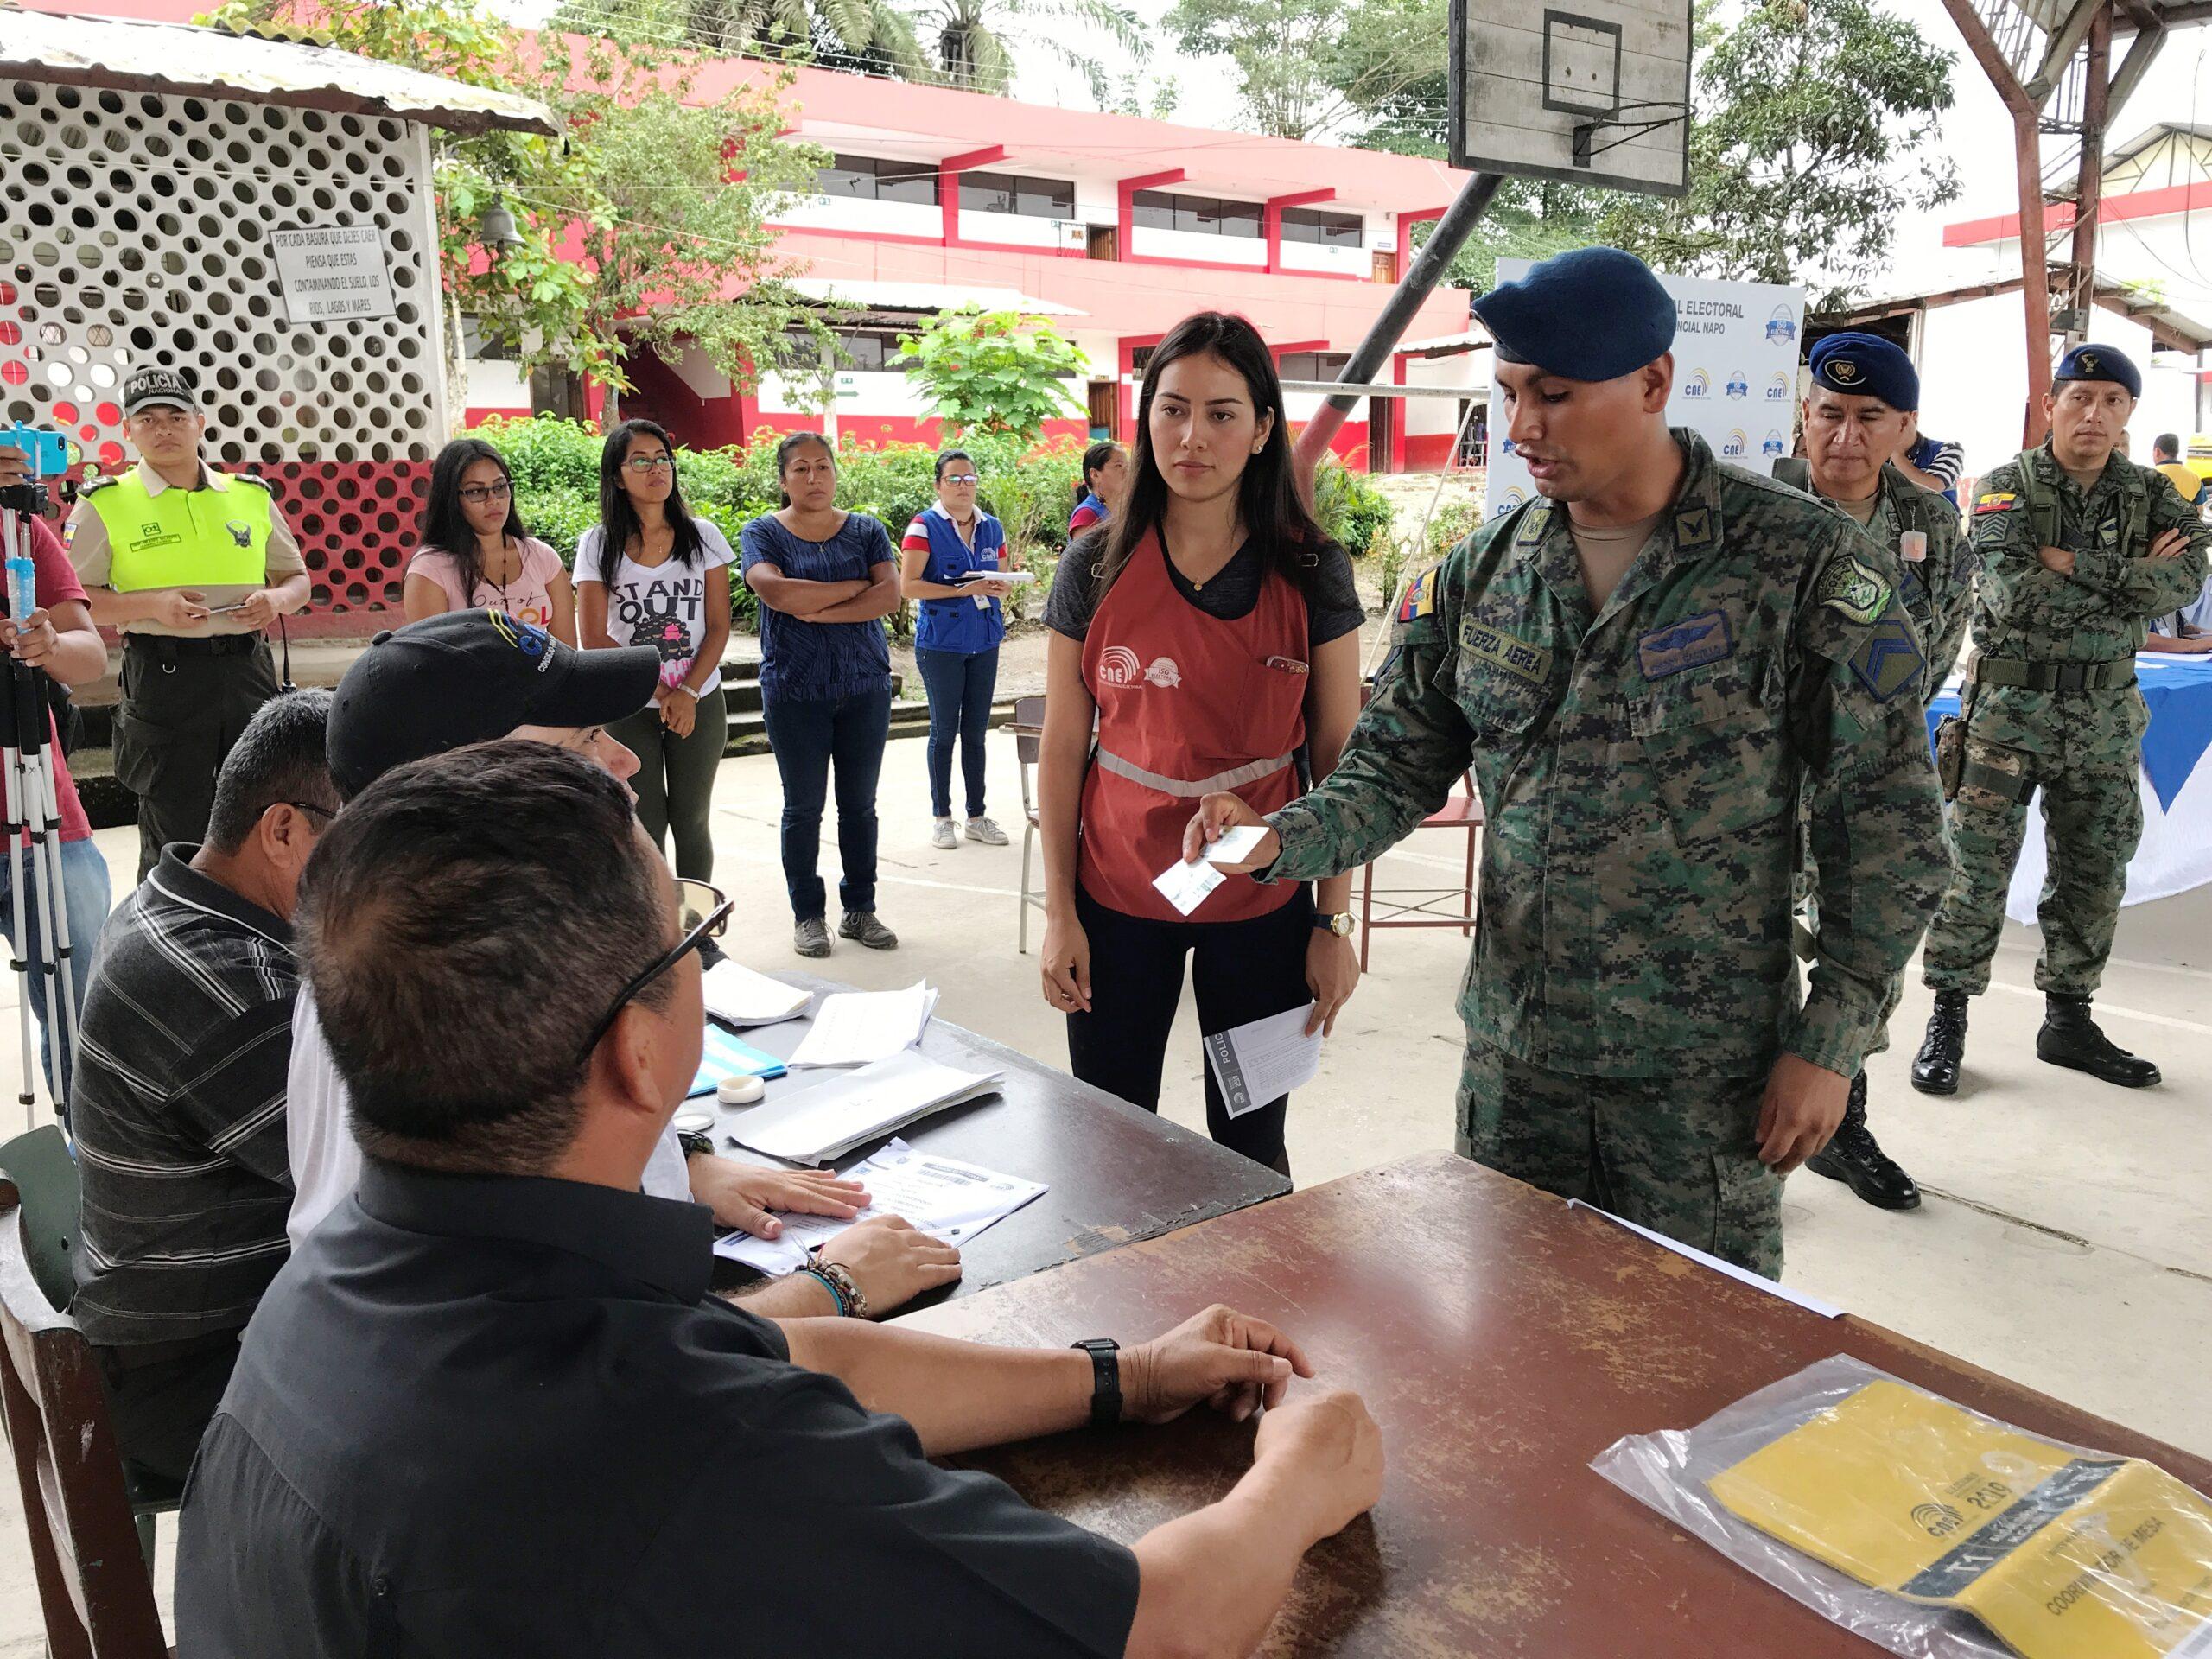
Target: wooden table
x,y
1114,1172
1502,1341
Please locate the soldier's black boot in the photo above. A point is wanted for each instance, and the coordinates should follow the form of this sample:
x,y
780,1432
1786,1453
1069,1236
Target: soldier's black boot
x,y
1935,1068
2070,1038
1854,1156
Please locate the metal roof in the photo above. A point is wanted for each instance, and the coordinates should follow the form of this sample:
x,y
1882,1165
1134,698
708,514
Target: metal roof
x,y
924,296
2171,329
133,54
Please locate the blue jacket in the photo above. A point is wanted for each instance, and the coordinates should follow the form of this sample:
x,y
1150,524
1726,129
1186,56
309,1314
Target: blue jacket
x,y
958,625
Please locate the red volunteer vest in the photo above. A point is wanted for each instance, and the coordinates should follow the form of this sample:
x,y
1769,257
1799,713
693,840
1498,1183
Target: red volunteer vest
x,y
1188,705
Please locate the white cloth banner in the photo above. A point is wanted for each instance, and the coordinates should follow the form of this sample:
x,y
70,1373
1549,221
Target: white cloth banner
x,y
2174,855
1736,351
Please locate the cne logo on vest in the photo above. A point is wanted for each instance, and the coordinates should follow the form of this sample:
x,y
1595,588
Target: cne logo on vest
x,y
1119,665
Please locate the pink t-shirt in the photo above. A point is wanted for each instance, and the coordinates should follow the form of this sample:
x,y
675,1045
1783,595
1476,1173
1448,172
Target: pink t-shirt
x,y
528,597
57,582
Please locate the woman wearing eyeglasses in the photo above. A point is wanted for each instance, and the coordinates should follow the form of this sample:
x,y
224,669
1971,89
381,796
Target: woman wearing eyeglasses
x,y
948,562
475,553
650,574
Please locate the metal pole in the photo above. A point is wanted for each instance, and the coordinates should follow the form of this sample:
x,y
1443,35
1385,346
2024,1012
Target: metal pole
x,y
2081,276
1383,337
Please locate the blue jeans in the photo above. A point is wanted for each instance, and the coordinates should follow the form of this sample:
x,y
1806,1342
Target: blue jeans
x,y
807,736
83,899
959,684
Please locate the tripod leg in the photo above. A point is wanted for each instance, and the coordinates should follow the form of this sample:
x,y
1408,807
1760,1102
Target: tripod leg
x,y
14,764
65,947
46,905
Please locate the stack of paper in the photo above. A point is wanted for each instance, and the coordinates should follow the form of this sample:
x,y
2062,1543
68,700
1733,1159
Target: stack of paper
x,y
942,1196
830,1119
738,996
859,1027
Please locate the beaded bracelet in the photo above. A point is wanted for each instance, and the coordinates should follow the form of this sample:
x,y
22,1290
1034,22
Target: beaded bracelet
x,y
836,1296
850,1302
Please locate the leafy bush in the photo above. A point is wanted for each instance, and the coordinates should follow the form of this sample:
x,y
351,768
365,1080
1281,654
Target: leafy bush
x,y
1347,506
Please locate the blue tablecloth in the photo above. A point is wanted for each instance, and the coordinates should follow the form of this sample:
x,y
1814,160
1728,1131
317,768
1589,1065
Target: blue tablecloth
x,y
2178,692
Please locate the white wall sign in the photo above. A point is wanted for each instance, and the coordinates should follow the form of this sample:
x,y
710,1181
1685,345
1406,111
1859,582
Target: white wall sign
x,y
331,273
1736,350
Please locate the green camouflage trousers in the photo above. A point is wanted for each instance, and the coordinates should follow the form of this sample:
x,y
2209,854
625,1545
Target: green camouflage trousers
x,y
1676,1155
2093,816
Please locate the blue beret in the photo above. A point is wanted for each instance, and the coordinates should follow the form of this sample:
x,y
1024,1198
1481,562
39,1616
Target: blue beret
x,y
2098,363
1592,314
1866,365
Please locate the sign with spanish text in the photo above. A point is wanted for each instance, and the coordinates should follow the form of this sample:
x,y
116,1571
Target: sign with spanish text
x,y
1736,346
333,273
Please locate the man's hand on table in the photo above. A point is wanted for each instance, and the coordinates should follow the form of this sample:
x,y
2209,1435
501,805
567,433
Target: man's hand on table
x,y
1232,1361
1332,1450
891,1262
741,1195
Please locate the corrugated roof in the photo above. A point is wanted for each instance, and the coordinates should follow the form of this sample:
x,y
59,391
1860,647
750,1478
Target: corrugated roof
x,y
182,59
922,296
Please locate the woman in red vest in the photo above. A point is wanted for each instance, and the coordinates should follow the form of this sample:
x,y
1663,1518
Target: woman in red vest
x,y
1213,632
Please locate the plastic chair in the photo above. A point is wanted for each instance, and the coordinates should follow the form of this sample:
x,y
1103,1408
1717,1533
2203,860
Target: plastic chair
x,y
1028,729
1416,907
95,1586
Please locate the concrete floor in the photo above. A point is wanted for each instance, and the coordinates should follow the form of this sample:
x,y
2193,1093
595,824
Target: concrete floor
x,y
2066,1240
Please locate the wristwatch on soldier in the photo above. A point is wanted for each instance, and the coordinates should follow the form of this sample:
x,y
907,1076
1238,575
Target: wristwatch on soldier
x,y
1339,923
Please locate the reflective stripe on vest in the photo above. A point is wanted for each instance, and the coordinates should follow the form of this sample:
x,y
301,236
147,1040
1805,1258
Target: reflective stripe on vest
x,y
184,538
1235,778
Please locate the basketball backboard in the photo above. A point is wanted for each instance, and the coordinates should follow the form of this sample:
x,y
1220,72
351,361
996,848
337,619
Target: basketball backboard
x,y
1586,91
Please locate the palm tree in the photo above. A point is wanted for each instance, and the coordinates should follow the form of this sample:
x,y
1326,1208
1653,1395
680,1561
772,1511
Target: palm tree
x,y
974,42
871,36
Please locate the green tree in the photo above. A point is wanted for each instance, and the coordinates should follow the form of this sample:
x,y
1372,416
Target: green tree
x,y
995,373
973,44
645,223
873,37
1308,68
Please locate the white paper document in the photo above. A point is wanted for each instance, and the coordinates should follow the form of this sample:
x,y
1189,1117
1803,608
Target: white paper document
x,y
738,996
1236,844
822,1122
942,1196
1016,578
1186,885
859,1027
1758,1281
1264,1061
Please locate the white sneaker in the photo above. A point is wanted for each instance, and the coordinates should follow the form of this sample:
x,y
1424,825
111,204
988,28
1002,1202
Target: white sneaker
x,y
943,835
983,830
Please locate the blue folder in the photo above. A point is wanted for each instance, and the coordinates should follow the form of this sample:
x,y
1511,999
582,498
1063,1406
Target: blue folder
x,y
723,1056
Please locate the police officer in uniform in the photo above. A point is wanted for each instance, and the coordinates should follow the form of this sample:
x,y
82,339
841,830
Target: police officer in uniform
x,y
1648,669
190,565
1865,392
2079,546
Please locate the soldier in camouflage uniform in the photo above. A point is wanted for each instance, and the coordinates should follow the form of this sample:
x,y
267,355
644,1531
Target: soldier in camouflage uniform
x,y
1643,670
2079,546
1864,394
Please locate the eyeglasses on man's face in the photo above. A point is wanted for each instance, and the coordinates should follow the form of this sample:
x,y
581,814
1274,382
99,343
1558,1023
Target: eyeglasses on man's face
x,y
702,912
960,477
477,494
644,464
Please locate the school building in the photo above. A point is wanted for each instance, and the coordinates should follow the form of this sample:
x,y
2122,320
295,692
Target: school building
x,y
1109,226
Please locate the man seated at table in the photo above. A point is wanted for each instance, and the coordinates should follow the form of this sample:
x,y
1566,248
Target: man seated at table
x,y
468,676
489,1407
2187,631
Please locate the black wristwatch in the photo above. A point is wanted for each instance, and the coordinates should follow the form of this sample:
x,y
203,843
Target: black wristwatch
x,y
1105,1380
695,1142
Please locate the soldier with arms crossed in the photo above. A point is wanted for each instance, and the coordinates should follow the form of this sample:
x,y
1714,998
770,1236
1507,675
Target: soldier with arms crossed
x,y
1648,669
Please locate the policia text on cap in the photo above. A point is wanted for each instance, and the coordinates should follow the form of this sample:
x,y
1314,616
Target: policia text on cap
x,y
190,564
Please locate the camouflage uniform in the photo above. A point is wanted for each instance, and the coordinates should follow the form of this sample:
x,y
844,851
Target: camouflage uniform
x,y
2082,746
1632,982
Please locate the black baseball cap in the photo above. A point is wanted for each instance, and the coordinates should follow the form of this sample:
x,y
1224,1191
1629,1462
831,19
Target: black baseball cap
x,y
470,676
154,384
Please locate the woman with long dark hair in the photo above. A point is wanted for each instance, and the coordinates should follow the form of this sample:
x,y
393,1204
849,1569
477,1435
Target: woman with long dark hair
x,y
475,553
1105,482
650,574
826,579
1212,631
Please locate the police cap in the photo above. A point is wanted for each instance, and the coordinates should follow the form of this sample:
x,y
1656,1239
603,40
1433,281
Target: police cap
x,y
151,386
2098,363
1866,365
1591,314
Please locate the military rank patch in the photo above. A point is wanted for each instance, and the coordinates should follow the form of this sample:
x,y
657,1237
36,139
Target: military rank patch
x,y
1420,597
1995,501
1886,661
1688,643
1850,589
1503,651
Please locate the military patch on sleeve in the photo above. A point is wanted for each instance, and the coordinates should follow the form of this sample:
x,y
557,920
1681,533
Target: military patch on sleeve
x,y
1995,501
1850,590
1420,597
1886,661
1691,643
1504,650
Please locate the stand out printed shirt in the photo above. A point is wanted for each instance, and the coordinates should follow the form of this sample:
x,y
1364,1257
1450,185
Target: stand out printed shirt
x,y
664,606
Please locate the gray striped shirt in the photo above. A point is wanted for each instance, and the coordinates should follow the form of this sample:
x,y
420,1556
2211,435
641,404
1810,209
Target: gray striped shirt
x,y
178,1110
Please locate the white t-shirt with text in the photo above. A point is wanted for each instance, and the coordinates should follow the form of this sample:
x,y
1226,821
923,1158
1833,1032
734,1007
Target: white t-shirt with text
x,y
664,606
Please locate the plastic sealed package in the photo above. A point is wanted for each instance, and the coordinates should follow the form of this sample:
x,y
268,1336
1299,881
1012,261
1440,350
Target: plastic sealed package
x,y
1931,1530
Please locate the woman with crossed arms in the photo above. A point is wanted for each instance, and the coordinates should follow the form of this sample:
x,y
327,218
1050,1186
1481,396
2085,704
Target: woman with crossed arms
x,y
1213,631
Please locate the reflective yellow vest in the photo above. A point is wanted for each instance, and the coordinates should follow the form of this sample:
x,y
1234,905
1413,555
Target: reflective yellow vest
x,y
184,538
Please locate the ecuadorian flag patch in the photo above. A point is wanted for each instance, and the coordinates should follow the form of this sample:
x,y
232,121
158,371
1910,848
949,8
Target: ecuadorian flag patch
x,y
1996,501
1420,597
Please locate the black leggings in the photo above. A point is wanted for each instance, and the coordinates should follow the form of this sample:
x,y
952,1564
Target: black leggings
x,y
1241,972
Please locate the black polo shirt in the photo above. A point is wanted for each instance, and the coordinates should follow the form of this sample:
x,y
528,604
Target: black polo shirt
x,y
498,1416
